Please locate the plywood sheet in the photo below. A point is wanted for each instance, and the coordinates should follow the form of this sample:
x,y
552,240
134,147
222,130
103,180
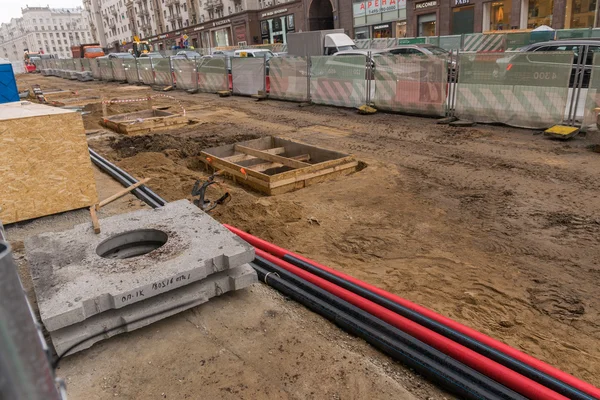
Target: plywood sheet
x,y
45,166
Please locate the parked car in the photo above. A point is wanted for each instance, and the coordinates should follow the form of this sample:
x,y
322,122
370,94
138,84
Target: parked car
x,y
119,55
189,54
520,65
254,53
424,50
154,54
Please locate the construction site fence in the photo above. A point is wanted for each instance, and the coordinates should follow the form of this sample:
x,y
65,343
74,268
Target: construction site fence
x,y
523,89
483,42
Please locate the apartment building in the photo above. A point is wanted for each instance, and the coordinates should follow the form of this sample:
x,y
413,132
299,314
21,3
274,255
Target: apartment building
x,y
51,30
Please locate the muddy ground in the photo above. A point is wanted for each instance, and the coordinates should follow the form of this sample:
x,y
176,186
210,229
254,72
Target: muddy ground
x,y
495,227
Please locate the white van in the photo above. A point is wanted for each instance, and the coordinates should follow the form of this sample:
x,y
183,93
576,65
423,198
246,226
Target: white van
x,y
254,53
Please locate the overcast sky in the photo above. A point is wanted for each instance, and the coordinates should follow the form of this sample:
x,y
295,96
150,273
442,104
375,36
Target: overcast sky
x,y
12,8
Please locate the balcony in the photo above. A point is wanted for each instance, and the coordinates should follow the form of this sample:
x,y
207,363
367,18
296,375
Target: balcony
x,y
114,12
145,12
171,2
213,4
112,26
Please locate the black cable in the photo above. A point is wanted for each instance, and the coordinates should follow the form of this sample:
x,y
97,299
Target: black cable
x,y
487,351
431,363
104,332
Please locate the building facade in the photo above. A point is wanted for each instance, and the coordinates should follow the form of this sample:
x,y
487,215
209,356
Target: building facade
x,y
212,23
50,30
452,17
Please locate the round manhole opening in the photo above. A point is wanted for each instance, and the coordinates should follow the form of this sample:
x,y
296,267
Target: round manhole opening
x,y
132,244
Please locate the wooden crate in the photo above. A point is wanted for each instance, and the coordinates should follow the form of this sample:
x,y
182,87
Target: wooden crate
x,y
45,166
274,165
142,122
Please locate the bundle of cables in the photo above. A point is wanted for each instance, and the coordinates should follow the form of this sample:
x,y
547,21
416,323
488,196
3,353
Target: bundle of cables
x,y
454,356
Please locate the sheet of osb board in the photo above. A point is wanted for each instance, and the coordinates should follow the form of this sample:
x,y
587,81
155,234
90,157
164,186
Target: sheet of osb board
x,y
46,167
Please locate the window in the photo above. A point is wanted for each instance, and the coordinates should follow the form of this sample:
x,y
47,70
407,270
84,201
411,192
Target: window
x,y
60,48
54,49
58,41
64,34
51,34
185,7
34,21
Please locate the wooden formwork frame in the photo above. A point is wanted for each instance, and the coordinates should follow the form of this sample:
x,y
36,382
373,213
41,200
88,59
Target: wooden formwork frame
x,y
304,164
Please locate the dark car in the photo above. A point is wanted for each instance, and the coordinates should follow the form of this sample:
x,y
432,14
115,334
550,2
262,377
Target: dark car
x,y
521,68
120,55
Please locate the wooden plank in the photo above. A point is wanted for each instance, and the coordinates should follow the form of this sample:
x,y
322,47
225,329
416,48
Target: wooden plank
x,y
266,166
271,157
244,157
311,181
95,222
46,167
313,168
303,177
217,162
121,193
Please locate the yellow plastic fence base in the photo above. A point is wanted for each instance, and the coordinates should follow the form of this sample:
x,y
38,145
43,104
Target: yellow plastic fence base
x,y
561,131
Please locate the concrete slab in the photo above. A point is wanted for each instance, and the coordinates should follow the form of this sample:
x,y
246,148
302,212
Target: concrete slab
x,y
72,282
156,308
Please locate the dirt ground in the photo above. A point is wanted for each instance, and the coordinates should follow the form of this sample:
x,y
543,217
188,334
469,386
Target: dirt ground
x,y
495,227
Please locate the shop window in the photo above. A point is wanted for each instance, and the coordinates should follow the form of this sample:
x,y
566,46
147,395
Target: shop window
x,y
426,24
463,19
580,13
361,33
500,15
540,13
401,29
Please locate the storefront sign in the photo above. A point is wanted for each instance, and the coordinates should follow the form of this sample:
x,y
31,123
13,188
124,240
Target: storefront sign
x,y
163,36
370,7
378,27
426,4
461,2
198,28
270,13
219,23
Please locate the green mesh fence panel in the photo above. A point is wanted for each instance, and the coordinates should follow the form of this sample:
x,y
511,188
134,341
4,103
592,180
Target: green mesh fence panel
x,y
248,75
573,33
595,33
145,70
592,100
212,74
484,42
118,69
95,68
363,43
185,73
338,80
131,73
106,71
289,78
434,40
527,90
412,84
417,40
85,64
162,72
450,42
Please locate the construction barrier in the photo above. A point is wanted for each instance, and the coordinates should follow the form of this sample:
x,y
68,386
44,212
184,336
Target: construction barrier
x,y
85,64
289,78
119,69
77,65
592,100
527,90
185,74
106,69
162,72
412,84
145,70
338,81
131,70
212,75
248,75
95,68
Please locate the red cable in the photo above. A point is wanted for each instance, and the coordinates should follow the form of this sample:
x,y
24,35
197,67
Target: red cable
x,y
492,369
506,349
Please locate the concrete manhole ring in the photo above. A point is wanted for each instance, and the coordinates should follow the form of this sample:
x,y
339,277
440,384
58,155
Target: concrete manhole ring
x,y
132,244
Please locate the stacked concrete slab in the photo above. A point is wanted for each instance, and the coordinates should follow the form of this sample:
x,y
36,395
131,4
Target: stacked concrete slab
x,y
81,294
